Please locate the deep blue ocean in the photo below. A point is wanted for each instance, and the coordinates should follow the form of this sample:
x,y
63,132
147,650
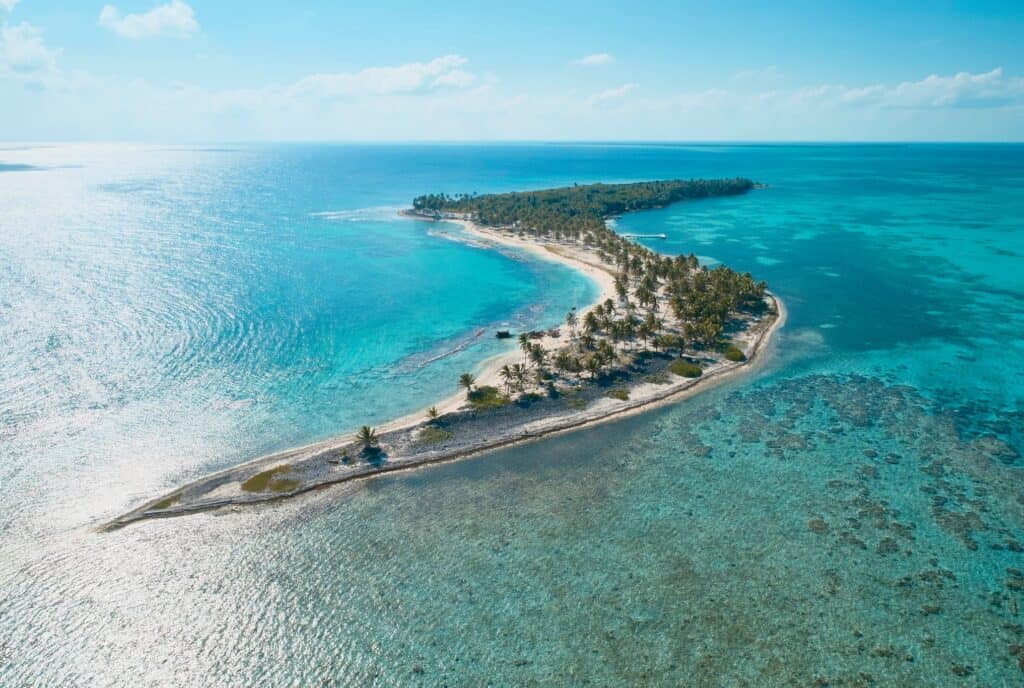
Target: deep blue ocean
x,y
850,514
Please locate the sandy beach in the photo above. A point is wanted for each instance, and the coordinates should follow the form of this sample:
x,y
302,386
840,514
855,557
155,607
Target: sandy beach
x,y
467,432
573,257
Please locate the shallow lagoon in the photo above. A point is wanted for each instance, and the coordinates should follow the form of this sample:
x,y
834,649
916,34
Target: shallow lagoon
x,y
850,515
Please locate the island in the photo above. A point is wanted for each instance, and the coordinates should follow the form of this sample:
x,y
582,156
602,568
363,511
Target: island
x,y
661,328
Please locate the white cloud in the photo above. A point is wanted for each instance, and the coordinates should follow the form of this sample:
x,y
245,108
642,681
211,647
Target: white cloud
x,y
594,60
175,18
23,53
453,102
610,94
414,77
8,4
963,90
960,90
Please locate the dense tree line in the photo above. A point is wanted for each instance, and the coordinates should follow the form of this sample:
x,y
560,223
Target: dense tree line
x,y
576,212
647,283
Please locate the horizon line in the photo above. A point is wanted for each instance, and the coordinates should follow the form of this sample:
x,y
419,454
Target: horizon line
x,y
605,142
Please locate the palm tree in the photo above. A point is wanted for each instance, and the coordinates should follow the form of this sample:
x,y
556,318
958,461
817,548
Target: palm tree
x,y
432,413
644,296
645,331
571,320
538,355
652,323
506,375
519,375
621,282
606,353
524,342
562,361
467,380
367,437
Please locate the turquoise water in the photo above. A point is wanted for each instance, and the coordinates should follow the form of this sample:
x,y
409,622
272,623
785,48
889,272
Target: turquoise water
x,y
167,313
849,515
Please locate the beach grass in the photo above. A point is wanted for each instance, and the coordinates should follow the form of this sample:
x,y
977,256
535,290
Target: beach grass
x,y
270,480
434,435
685,368
528,398
575,401
283,484
734,354
618,393
487,397
166,502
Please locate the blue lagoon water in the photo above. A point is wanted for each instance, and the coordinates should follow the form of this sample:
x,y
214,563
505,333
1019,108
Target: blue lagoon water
x,y
850,514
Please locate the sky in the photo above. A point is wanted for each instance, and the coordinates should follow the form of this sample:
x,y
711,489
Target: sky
x,y
192,70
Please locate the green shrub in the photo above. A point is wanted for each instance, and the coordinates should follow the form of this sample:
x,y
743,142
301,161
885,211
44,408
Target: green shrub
x,y
283,484
685,368
657,378
487,397
620,394
166,502
261,482
733,353
524,400
575,401
433,435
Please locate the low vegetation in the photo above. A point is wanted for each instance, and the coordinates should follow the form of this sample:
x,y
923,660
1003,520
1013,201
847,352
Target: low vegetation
x,y
283,485
685,368
734,354
434,435
575,401
271,480
527,398
487,397
166,502
620,394
657,379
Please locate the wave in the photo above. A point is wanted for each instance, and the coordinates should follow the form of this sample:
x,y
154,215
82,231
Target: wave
x,y
459,238
442,351
359,214
468,240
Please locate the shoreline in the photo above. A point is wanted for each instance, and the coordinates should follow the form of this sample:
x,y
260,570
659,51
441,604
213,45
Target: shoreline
x,y
487,371
322,464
